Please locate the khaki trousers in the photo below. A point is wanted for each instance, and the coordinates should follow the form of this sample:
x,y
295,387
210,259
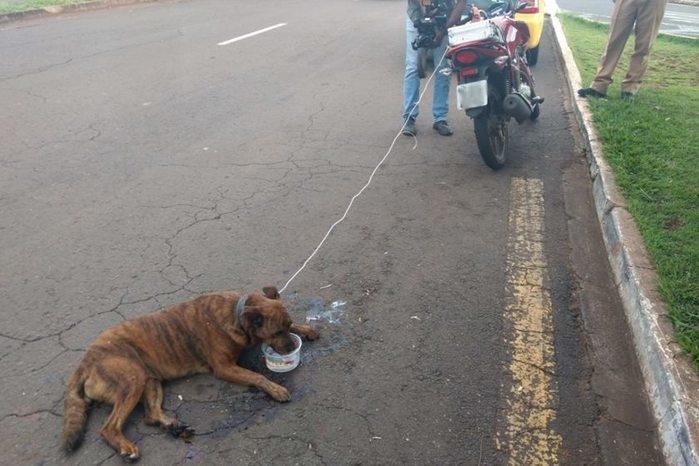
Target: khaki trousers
x,y
647,16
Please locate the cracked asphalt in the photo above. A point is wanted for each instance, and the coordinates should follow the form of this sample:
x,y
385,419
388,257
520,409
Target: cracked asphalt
x,y
142,164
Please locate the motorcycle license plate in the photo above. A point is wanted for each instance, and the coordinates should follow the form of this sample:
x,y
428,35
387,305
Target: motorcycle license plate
x,y
472,95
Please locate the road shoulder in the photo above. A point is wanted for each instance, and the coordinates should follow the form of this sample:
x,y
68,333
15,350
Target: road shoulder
x,y
58,9
686,2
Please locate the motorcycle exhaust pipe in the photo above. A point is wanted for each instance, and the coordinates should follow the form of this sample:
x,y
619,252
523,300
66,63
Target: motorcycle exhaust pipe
x,y
517,106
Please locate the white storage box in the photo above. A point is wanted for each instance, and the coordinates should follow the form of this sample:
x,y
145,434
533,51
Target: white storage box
x,y
470,32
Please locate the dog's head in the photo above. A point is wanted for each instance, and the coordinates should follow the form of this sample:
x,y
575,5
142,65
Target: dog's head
x,y
266,319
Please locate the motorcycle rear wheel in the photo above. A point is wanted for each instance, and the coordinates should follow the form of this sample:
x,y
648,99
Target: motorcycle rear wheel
x,y
493,137
491,128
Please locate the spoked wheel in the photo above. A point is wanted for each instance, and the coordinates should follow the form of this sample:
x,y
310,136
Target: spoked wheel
x,y
492,133
423,62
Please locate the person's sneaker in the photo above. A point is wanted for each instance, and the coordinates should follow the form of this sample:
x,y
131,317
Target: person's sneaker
x,y
443,128
590,92
629,96
410,129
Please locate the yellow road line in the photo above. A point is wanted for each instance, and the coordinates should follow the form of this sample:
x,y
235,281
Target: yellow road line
x,y
529,405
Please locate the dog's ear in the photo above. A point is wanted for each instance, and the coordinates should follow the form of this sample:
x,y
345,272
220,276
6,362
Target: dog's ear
x,y
271,292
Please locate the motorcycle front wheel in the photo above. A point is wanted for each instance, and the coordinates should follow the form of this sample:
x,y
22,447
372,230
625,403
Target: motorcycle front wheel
x,y
533,56
493,138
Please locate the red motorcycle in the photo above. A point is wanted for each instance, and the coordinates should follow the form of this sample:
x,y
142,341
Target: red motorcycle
x,y
495,83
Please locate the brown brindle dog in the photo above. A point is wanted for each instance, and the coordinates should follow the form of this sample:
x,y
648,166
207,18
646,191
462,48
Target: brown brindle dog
x,y
127,363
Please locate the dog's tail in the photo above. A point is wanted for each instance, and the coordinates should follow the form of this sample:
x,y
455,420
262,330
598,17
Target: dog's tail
x,y
74,411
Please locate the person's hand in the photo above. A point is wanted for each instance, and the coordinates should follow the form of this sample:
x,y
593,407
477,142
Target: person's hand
x,y
425,2
438,38
475,14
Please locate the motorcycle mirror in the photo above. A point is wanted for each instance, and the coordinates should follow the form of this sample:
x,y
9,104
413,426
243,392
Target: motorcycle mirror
x,y
521,6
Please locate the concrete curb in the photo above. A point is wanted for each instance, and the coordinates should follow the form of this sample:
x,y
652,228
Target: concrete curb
x,y
54,10
686,2
672,383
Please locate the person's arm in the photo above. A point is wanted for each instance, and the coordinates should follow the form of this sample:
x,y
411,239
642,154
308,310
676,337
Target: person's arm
x,y
414,10
459,9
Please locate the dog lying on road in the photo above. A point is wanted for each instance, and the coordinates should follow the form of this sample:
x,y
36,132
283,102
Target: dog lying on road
x,y
128,362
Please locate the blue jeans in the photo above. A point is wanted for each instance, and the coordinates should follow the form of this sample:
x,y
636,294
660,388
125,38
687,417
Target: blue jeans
x,y
411,82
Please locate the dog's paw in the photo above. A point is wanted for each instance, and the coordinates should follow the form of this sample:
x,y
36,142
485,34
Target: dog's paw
x,y
312,334
279,393
130,454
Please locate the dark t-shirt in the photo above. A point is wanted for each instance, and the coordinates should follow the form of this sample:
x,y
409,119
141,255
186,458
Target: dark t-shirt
x,y
415,10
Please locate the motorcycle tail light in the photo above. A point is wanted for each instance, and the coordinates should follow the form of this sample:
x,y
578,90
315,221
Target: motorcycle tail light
x,y
466,57
532,8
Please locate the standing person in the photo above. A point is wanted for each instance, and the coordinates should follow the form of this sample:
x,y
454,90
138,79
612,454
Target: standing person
x,y
411,81
646,15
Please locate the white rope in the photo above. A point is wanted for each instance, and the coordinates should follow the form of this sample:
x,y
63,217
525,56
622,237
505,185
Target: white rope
x,y
371,177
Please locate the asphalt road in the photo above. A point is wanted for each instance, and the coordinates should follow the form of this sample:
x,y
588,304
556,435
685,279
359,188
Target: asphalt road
x,y
680,20
142,163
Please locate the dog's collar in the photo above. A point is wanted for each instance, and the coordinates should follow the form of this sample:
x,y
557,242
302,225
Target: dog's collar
x,y
239,309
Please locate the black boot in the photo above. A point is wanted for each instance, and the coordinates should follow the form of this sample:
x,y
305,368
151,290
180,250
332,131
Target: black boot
x,y
590,92
443,128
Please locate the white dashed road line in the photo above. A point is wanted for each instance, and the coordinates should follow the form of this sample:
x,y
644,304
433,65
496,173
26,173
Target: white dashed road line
x,y
251,34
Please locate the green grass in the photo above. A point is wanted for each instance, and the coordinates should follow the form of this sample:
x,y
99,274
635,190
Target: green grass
x,y
652,145
14,6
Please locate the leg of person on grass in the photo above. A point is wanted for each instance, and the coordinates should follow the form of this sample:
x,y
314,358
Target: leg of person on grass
x,y
646,15
648,20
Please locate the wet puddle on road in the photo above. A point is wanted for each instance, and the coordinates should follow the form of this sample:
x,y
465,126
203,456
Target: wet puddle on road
x,y
325,316
318,312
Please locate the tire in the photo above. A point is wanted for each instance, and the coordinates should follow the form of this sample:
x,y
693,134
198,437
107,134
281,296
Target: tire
x,y
533,56
493,149
491,128
423,62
